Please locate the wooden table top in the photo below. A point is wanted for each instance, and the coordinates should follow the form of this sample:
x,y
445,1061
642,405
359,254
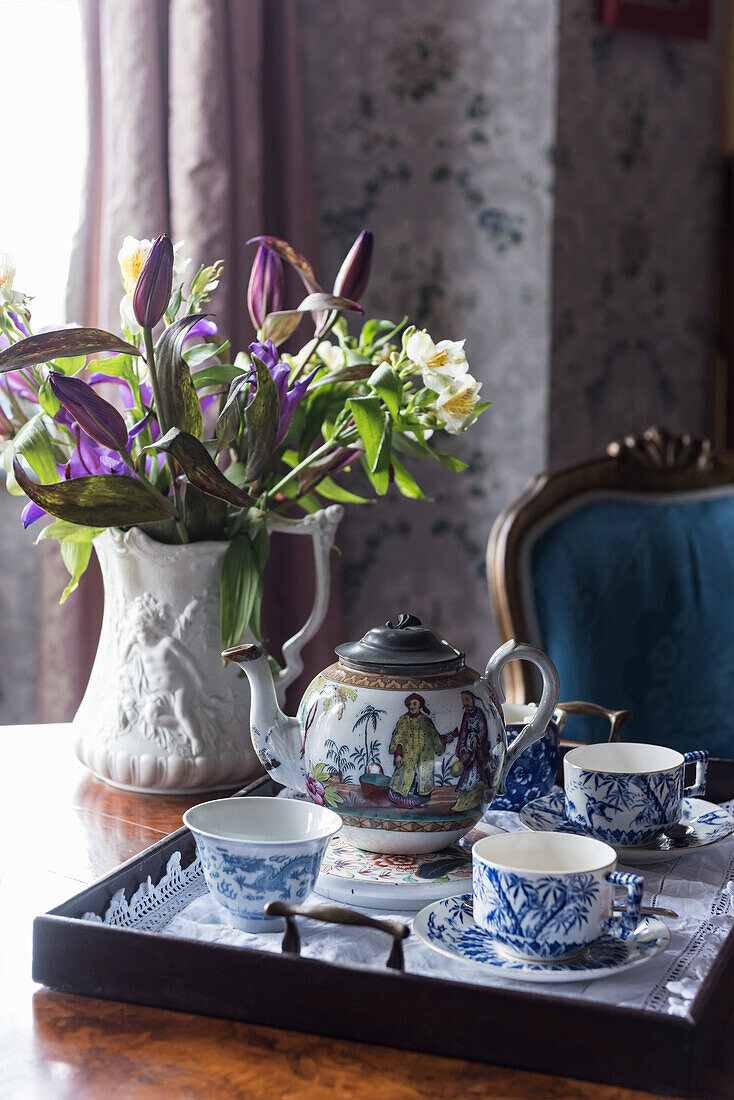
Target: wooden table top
x,y
61,829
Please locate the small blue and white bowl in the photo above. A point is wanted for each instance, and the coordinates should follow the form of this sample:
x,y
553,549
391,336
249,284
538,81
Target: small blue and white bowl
x,y
256,850
545,896
534,772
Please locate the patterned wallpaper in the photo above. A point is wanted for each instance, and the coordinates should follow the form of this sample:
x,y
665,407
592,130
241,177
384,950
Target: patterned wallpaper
x,y
436,133
634,232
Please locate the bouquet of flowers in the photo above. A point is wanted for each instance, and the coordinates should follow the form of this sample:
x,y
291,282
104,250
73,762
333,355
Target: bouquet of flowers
x,y
173,433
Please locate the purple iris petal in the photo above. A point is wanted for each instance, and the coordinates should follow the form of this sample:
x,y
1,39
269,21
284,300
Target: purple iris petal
x,y
289,398
203,329
139,427
268,352
31,513
19,322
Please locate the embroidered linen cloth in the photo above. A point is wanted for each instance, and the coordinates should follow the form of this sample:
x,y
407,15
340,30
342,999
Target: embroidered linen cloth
x,y
698,885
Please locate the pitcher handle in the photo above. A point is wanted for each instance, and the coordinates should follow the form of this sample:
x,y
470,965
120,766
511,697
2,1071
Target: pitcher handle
x,y
321,526
520,651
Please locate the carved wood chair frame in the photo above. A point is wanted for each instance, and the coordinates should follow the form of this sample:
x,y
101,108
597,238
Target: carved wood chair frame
x,y
655,462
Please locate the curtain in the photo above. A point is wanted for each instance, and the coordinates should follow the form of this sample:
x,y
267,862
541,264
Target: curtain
x,y
196,128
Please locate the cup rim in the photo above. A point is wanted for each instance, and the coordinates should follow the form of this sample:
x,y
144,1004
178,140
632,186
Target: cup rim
x,y
332,821
627,744
499,839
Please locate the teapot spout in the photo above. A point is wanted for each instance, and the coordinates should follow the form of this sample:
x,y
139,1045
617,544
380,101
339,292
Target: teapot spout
x,y
276,738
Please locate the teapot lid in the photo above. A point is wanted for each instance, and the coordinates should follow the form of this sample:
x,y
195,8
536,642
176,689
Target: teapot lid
x,y
402,648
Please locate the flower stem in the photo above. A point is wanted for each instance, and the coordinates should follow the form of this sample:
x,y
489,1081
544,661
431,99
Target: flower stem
x,y
348,437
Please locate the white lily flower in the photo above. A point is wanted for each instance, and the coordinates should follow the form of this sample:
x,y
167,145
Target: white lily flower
x,y
8,296
440,363
131,257
332,355
456,403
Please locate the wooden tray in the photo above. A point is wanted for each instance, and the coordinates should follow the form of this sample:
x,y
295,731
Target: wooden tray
x,y
533,1031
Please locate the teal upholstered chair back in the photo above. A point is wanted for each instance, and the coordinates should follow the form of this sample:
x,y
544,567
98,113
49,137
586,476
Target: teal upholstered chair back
x,y
622,569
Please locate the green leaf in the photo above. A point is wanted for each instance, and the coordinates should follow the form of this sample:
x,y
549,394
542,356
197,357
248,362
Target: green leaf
x,y
382,458
279,326
386,381
205,516
70,532
455,465
371,329
202,353
321,405
174,304
75,556
34,443
331,491
416,449
240,578
180,405
59,345
216,375
104,500
48,402
229,421
405,481
368,419
69,365
315,303
262,416
379,482
199,467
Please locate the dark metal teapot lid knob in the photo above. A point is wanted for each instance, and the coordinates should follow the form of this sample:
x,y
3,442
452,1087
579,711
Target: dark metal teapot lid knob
x,y
404,647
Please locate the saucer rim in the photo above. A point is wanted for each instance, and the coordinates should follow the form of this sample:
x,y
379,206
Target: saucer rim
x,y
648,849
551,972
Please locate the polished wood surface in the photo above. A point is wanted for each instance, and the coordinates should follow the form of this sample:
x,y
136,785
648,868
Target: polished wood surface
x,y
60,830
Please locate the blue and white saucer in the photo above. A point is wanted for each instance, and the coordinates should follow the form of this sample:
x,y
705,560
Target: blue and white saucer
x,y
448,927
708,824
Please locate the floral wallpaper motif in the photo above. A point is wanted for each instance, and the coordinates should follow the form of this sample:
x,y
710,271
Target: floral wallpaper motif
x,y
436,133
634,232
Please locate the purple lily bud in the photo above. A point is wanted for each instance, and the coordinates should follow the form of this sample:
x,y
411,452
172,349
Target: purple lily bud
x,y
265,291
354,273
93,414
153,286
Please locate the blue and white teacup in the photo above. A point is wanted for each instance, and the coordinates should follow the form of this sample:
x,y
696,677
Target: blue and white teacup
x,y
256,850
628,794
545,896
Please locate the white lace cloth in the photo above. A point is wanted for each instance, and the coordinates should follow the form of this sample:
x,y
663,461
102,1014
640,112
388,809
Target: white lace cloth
x,y
698,885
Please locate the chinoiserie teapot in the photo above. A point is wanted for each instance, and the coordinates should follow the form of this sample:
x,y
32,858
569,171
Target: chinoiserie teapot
x,y
399,736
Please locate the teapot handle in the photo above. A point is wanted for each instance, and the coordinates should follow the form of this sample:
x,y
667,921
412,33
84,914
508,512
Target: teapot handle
x,y
520,651
321,526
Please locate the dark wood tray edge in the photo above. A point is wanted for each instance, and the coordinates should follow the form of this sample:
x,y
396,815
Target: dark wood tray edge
x,y
540,1032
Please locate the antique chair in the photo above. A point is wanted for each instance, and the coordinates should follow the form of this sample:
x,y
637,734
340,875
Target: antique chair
x,y
622,569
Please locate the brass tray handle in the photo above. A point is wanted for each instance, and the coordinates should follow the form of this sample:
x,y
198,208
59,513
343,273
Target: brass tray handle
x,y
336,914
616,718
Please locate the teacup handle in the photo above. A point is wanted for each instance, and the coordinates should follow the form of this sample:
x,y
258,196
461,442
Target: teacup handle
x,y
633,884
700,758
520,651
